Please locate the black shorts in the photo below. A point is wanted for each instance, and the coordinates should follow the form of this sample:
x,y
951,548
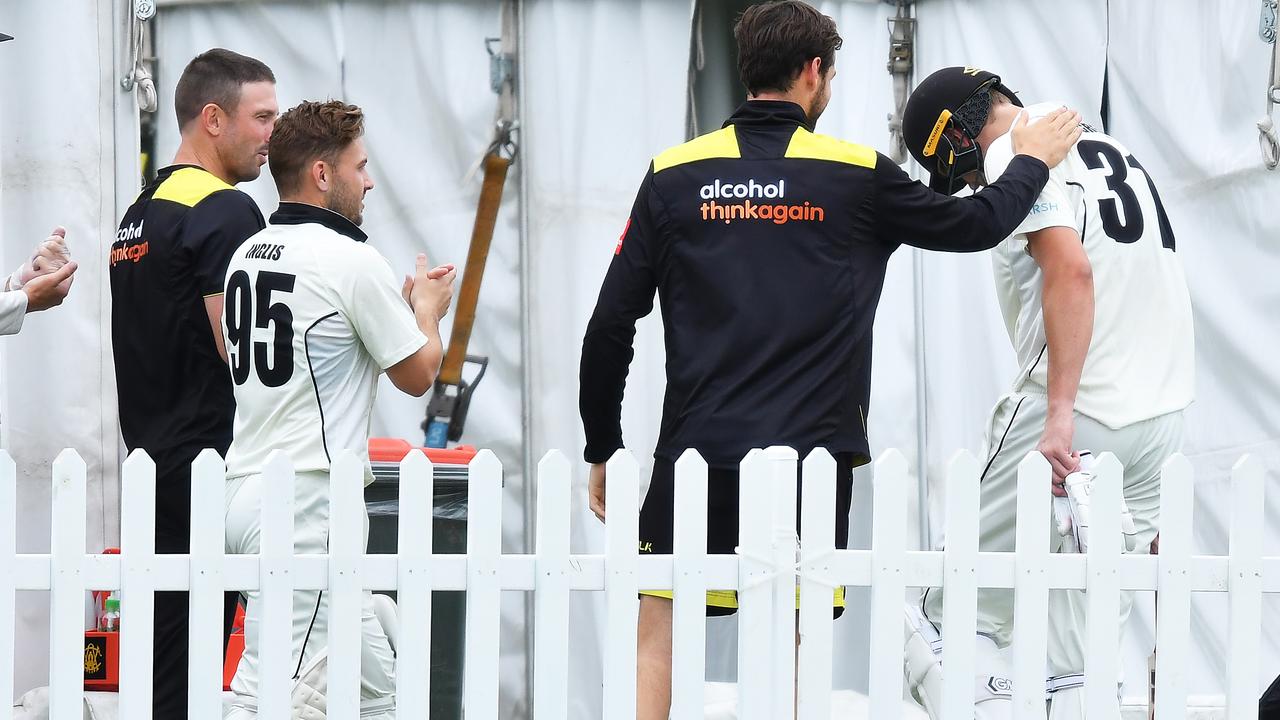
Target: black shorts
x,y
657,512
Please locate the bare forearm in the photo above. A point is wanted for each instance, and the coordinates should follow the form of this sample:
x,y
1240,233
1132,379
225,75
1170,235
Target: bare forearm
x,y
1068,325
429,324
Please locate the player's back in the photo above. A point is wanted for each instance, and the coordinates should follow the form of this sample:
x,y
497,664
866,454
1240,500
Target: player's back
x,y
1141,356
167,258
295,334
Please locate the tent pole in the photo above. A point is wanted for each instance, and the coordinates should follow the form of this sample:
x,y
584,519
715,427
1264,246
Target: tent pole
x,y
513,12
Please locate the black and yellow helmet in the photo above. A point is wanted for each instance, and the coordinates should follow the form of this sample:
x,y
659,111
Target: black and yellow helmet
x,y
951,98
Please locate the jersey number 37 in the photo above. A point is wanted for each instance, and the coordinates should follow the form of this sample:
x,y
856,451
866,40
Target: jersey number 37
x,y
249,307
1122,215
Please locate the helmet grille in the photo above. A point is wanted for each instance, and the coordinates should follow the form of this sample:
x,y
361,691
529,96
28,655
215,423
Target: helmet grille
x,y
972,115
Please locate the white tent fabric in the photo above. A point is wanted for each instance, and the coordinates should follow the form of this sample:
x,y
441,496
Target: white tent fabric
x,y
1192,112
68,143
604,92
603,89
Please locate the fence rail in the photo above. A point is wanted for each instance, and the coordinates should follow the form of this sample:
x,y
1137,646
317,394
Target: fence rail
x,y
765,573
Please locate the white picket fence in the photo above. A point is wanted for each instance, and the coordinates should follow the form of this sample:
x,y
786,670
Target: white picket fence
x,y
765,573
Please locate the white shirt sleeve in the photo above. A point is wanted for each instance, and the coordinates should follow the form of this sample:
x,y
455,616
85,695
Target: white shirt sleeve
x,y
1052,208
371,300
13,309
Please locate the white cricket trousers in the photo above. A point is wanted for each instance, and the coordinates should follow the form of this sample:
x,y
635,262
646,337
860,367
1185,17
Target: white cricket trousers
x,y
1015,429
310,607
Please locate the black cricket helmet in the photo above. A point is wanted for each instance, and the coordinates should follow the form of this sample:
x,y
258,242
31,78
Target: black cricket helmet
x,y
953,98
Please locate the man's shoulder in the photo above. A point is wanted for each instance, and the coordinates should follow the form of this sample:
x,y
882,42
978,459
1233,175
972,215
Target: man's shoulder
x,y
1000,152
338,255
722,143
210,204
814,146
193,186
804,144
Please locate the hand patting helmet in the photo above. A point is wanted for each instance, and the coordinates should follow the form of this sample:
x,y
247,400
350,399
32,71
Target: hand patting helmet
x,y
957,99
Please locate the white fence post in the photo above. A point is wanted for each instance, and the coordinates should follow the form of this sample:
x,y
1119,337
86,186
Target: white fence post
x,y
1101,664
1244,627
622,506
346,592
1031,591
689,589
767,554
783,482
1173,606
413,565
66,602
960,602
275,562
755,647
137,585
817,523
888,553
208,547
551,590
484,549
8,586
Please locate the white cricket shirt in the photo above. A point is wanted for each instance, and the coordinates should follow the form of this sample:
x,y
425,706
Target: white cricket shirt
x,y
312,315
1141,360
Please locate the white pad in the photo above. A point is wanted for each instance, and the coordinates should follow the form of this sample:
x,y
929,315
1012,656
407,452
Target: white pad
x,y
1066,697
993,692
992,685
309,701
923,665
1072,512
384,608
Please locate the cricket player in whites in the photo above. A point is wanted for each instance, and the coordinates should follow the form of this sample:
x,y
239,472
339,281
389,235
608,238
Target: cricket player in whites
x,y
1096,304
313,315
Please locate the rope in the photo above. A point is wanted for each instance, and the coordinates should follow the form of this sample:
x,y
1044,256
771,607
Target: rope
x,y
1269,143
800,570
1267,140
137,79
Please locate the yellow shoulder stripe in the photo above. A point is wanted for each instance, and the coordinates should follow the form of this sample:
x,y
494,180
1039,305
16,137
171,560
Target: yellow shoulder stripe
x,y
719,144
189,186
805,144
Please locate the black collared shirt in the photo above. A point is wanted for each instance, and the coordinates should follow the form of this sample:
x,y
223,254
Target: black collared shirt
x,y
767,246
170,253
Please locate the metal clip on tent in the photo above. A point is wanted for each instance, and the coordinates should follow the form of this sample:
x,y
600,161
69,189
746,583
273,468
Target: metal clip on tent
x,y
1268,27
137,76
902,39
502,66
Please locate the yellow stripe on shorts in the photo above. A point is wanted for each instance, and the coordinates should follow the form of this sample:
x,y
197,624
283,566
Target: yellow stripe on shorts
x,y
729,598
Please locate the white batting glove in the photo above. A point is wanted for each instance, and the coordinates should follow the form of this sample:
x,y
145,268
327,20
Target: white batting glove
x,y
48,256
1074,522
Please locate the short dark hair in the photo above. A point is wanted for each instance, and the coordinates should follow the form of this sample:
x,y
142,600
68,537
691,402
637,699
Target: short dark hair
x,y
215,76
307,132
776,39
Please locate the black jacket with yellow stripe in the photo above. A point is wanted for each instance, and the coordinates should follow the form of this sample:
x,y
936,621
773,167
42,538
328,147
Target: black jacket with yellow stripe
x,y
767,246
170,253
